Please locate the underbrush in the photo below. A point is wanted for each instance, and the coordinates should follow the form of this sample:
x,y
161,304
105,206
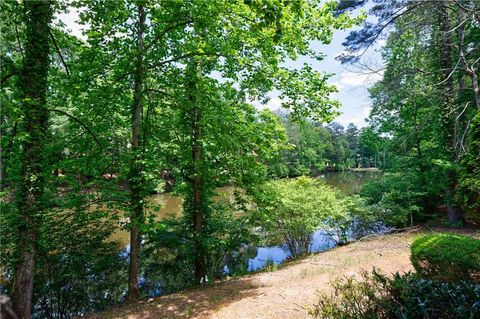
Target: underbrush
x,y
445,286
375,295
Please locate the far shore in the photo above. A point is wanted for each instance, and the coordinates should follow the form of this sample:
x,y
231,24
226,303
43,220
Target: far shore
x,y
364,169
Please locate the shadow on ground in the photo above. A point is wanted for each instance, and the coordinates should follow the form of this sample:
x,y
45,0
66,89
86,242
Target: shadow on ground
x,y
194,303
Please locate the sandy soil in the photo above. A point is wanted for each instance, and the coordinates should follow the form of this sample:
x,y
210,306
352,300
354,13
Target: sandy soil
x,y
285,293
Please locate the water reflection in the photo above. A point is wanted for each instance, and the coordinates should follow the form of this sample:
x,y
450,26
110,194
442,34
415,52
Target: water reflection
x,y
278,254
350,182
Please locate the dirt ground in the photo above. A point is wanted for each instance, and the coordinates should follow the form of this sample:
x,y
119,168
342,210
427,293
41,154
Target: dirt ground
x,y
285,293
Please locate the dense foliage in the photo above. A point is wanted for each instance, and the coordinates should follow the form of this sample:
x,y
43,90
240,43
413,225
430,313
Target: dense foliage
x,y
294,209
151,95
427,105
314,147
376,296
447,257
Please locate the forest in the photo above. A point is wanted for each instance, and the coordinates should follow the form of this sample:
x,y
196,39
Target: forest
x,y
144,175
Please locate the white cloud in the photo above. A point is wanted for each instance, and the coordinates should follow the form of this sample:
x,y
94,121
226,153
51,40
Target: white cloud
x,y
358,119
359,79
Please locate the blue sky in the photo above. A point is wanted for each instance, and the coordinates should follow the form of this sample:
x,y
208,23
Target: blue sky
x,y
352,82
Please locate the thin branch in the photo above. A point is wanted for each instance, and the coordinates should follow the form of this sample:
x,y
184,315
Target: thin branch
x,y
18,41
458,26
14,70
394,17
60,54
17,35
183,57
166,30
461,142
81,124
160,92
451,73
6,77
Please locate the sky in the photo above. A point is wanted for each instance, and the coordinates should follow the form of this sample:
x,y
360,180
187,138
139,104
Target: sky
x,y
352,83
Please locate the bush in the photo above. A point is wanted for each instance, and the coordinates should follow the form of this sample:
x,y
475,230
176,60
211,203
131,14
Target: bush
x,y
403,296
447,256
357,221
397,199
294,209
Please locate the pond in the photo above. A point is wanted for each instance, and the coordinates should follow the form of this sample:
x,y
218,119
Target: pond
x,y
348,182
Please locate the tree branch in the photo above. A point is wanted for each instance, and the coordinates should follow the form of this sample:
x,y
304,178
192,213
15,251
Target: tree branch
x,y
60,54
166,30
14,71
183,57
81,124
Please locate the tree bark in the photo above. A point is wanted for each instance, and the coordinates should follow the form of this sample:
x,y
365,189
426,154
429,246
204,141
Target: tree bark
x,y
135,178
449,112
197,202
30,193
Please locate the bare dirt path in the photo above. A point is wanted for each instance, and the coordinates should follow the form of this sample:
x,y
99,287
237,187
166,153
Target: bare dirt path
x,y
285,293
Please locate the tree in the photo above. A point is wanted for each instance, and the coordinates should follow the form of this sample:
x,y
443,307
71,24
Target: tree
x,y
352,142
30,196
422,103
135,172
294,209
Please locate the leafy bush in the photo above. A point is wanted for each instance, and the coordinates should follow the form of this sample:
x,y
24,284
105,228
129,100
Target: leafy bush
x,y
403,296
294,209
357,221
397,199
168,254
447,257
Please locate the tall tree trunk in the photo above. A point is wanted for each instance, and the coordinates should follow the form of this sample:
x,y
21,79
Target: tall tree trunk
x,y
135,178
30,193
449,111
469,70
418,144
197,206
198,209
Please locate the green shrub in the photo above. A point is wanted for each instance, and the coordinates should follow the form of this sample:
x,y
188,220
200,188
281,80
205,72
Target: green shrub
x,y
447,257
398,199
375,296
293,209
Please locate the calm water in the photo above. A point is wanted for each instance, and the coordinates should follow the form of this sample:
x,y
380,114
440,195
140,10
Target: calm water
x,y
349,182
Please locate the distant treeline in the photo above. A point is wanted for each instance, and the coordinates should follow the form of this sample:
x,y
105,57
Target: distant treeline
x,y
315,147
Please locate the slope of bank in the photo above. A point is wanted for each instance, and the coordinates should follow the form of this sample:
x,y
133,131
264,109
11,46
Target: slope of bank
x,y
285,293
